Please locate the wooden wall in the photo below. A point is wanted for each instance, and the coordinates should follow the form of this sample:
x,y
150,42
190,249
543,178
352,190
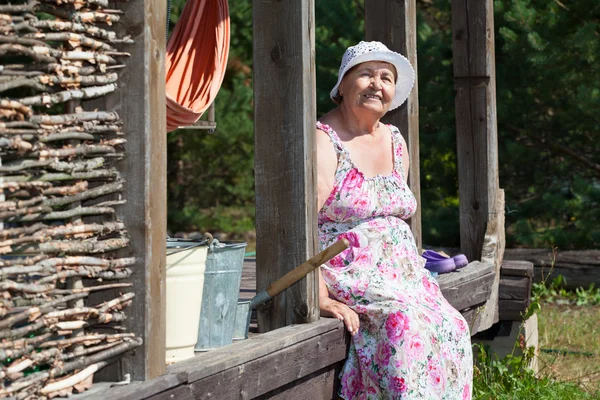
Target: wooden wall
x,y
141,102
285,118
476,132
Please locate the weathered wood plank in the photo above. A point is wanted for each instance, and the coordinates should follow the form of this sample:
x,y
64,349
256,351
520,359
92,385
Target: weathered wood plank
x,y
515,288
248,283
179,393
471,293
477,147
517,268
239,353
563,258
146,216
141,102
285,118
472,316
579,268
136,390
492,252
472,271
473,47
232,357
512,310
393,22
320,385
267,373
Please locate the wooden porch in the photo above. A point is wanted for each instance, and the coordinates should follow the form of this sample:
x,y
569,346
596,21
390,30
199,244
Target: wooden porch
x,y
297,355
298,361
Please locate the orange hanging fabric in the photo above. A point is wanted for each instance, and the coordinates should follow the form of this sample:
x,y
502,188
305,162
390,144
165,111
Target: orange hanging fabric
x,y
196,60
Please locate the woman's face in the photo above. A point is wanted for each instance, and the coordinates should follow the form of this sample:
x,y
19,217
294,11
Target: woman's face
x,y
369,85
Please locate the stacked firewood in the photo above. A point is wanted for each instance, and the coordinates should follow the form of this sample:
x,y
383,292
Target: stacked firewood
x,y
60,318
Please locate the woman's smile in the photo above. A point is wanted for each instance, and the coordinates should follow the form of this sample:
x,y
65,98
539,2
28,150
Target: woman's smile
x,y
373,97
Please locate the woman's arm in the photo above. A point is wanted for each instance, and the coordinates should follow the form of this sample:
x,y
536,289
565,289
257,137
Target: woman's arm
x,y
333,308
326,166
405,157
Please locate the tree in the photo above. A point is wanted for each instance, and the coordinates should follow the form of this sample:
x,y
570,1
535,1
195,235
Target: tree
x,y
548,87
211,176
548,96
548,90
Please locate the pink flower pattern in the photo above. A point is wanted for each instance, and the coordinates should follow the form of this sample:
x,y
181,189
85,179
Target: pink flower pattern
x,y
412,344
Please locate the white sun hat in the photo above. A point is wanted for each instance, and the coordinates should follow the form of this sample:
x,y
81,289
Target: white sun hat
x,y
377,51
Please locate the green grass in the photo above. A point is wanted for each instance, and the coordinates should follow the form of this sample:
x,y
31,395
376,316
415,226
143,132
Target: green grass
x,y
569,358
570,343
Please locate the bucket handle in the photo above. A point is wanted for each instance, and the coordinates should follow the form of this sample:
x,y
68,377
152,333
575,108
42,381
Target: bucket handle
x,y
208,239
213,243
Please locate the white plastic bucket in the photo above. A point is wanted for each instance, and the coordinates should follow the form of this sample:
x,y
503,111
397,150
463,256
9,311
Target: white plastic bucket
x,y
186,263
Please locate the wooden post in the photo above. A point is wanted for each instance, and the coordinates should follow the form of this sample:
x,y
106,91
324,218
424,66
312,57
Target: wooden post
x,y
394,23
284,124
477,142
141,103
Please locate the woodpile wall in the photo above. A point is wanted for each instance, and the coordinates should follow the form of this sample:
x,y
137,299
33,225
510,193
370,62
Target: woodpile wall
x,y
60,240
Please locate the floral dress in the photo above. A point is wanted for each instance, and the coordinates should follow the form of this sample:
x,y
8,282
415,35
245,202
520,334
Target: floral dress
x,y
412,344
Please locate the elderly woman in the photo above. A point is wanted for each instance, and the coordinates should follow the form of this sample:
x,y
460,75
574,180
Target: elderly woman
x,y
408,342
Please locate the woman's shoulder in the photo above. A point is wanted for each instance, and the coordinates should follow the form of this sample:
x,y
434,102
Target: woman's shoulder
x,y
328,120
324,135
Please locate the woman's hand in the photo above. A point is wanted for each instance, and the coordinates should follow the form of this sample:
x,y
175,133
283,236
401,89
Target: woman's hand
x,y
332,308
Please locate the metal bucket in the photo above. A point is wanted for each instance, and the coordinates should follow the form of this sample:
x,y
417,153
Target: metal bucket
x,y
186,261
221,290
241,326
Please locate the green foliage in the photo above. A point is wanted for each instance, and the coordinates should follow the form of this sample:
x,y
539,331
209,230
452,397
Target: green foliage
x,y
211,176
548,79
555,292
548,89
339,24
510,378
437,134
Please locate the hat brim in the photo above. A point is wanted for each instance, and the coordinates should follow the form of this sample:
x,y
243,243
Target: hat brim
x,y
405,74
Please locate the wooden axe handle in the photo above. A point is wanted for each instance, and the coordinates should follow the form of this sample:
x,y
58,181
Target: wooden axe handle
x,y
310,265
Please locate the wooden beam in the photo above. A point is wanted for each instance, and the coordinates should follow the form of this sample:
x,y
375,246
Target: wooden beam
x,y
320,385
515,288
179,393
394,23
512,310
517,268
246,351
274,370
285,184
579,268
457,278
477,143
492,252
141,102
298,354
471,293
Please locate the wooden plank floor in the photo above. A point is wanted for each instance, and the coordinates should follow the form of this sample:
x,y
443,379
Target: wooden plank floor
x,y
248,289
248,284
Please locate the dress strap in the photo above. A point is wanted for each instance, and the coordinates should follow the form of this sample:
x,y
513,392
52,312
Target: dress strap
x,y
398,150
335,139
344,164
